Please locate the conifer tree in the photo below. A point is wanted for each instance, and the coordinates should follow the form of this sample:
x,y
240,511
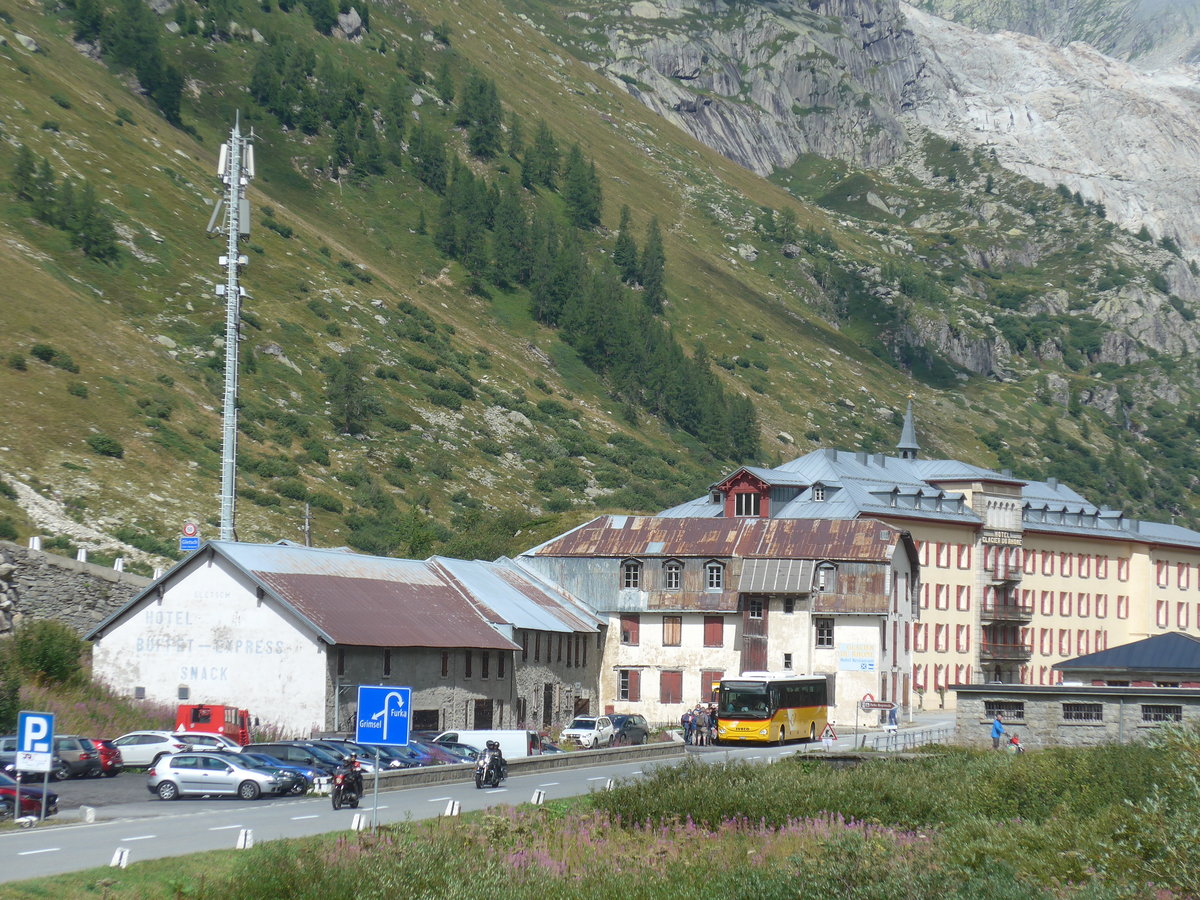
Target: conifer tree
x,y
94,233
510,239
444,83
370,160
350,401
415,63
516,137
625,255
581,189
89,19
653,262
24,177
44,192
542,157
66,212
428,152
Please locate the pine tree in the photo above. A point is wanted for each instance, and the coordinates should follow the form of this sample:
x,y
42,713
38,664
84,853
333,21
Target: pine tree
x,y
24,176
168,93
350,401
510,239
444,83
66,213
44,192
516,137
395,118
422,227
787,229
652,273
94,234
542,157
429,157
370,159
323,13
581,190
625,255
415,63
89,19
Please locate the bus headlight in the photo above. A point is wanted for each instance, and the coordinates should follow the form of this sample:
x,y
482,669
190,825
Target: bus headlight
x,y
763,733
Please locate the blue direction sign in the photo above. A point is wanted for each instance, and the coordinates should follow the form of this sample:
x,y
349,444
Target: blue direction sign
x,y
187,544
383,715
35,741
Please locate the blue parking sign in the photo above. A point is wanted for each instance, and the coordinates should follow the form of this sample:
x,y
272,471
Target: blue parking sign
x,y
35,741
383,715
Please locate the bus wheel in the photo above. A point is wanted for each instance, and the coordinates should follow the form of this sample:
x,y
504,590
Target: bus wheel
x,y
782,736
812,732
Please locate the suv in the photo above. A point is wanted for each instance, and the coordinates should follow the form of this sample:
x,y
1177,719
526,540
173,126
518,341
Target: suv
x,y
204,740
143,748
630,729
79,755
589,731
8,763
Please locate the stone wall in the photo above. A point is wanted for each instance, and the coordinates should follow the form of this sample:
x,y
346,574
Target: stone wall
x,y
41,585
1070,715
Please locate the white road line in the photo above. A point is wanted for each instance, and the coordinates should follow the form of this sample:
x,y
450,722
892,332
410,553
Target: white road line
x,y
140,837
637,771
296,818
439,799
499,791
224,827
548,784
599,778
31,852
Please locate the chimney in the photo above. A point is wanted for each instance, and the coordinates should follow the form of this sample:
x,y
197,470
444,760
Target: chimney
x,y
830,453
861,456
1007,473
1053,483
880,460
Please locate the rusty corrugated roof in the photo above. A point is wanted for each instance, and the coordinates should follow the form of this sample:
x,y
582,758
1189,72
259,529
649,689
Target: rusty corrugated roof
x,y
507,596
422,612
621,536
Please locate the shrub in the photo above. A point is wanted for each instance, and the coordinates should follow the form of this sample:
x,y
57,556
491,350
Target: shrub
x,y
44,352
7,490
105,446
8,530
46,648
77,389
61,100
325,501
16,361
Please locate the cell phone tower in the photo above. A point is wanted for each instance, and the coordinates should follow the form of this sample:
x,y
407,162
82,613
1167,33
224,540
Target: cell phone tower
x,y
235,168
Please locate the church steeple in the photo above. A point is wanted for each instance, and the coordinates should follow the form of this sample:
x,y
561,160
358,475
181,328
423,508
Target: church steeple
x,y
908,445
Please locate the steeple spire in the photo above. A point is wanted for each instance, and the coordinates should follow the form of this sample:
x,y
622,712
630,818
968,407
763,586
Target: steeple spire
x,y
908,445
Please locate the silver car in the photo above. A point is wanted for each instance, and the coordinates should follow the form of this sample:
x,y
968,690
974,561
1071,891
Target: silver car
x,y
214,774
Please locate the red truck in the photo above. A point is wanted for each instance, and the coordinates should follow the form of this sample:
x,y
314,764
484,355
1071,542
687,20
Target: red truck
x,y
227,720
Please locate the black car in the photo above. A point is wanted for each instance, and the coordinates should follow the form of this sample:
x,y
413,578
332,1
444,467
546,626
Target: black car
x,y
631,729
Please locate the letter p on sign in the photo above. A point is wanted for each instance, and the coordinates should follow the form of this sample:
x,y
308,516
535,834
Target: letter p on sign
x,y
36,732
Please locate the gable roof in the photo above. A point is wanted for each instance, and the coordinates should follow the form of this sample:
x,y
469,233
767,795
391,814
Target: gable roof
x,y
349,598
1172,652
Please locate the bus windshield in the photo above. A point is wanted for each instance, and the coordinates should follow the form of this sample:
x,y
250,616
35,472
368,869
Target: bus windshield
x,y
743,700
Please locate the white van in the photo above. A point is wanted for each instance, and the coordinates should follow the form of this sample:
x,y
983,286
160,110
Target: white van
x,y
515,743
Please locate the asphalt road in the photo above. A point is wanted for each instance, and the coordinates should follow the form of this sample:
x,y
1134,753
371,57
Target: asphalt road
x,y
150,828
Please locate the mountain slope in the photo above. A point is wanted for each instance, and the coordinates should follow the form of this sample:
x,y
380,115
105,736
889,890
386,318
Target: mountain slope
x,y
487,429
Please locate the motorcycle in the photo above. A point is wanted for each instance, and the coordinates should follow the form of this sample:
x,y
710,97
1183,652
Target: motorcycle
x,y
347,789
490,769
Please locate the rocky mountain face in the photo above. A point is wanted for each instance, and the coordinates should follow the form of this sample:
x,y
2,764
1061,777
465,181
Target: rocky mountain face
x,y
1149,33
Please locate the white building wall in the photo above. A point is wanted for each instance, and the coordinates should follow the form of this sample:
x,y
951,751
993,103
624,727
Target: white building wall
x,y
210,634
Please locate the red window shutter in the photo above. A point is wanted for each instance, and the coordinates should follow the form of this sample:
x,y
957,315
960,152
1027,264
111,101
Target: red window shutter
x,y
714,631
630,626
707,678
671,687
635,685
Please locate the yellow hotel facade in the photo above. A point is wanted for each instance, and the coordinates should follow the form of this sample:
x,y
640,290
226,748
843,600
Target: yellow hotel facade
x,y
1015,575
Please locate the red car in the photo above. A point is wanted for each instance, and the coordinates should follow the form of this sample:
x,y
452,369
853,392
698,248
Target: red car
x,y
31,799
111,762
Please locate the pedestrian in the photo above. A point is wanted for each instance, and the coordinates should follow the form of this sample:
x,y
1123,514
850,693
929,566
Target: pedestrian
x,y
702,726
712,719
997,731
688,723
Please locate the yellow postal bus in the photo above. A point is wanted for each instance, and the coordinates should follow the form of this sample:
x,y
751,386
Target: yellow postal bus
x,y
767,708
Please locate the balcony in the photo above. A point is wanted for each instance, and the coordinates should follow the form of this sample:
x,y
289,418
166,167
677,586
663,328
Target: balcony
x,y
1003,573
996,651
1006,612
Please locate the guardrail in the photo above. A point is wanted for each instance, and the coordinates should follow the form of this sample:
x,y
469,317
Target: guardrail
x,y
908,740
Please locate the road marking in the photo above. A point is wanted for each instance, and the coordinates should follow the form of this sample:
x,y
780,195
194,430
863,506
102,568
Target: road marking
x,y
31,852
599,778
295,818
224,827
548,784
140,837
499,791
637,771
439,799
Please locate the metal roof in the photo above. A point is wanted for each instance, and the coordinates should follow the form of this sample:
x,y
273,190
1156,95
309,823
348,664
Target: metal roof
x,y
784,576
507,596
1172,652
633,536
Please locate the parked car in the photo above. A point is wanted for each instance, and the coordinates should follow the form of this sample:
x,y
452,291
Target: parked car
x,y
143,748
78,754
297,753
434,749
215,774
31,798
343,748
589,731
629,729
549,746
309,773
204,740
391,758
111,761
411,756
8,763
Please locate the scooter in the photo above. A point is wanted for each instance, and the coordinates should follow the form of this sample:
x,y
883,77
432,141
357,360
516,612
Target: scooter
x,y
490,769
347,788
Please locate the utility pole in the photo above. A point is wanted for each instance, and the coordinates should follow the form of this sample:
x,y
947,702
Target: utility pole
x,y
235,168
307,524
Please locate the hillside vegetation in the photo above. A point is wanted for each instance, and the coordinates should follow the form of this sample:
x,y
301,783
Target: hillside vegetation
x,y
453,339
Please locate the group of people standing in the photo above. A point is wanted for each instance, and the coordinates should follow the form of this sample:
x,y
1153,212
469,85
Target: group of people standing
x,y
700,725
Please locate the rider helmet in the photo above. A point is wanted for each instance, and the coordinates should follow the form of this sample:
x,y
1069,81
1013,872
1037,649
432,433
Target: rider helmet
x,y
493,745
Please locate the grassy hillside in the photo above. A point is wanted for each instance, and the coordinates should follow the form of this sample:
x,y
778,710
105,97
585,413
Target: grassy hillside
x,y
488,431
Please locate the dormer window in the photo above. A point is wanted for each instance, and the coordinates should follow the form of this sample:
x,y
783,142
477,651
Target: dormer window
x,y
672,575
714,576
747,504
631,575
818,493
826,577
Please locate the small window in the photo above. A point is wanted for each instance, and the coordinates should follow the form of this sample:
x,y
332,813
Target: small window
x,y
818,493
630,629
139,693
787,662
184,692
672,630
714,576
445,663
824,631
630,685
484,661
827,578
631,575
789,606
1083,712
672,576
1152,712
1010,710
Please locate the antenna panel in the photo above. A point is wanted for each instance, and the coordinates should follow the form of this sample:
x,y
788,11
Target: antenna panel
x,y
223,160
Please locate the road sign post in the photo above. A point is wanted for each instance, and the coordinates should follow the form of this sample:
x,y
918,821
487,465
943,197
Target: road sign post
x,y
382,720
35,752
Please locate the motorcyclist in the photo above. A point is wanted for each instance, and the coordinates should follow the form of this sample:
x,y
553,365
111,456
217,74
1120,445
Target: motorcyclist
x,y
492,752
352,769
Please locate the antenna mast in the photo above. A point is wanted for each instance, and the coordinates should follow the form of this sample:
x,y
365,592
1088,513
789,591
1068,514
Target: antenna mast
x,y
235,168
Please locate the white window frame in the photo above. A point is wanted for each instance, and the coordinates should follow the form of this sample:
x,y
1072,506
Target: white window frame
x,y
714,576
